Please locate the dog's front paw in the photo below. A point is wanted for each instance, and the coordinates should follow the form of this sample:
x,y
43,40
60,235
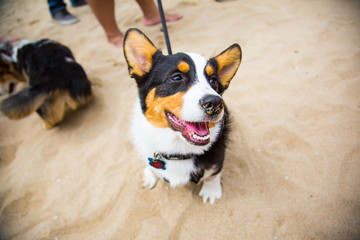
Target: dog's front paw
x,y
150,178
211,189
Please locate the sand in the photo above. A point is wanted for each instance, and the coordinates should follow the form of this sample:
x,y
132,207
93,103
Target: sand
x,y
292,168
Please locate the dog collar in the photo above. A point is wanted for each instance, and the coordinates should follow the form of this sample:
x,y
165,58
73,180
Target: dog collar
x,y
159,159
176,156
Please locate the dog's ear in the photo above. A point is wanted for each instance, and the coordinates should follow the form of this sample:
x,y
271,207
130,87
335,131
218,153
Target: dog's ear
x,y
225,64
139,52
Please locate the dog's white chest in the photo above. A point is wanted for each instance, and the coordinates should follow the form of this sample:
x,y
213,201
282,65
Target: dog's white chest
x,y
148,139
175,172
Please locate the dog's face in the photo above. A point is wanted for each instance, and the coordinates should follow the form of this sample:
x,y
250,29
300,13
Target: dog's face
x,y
181,91
9,77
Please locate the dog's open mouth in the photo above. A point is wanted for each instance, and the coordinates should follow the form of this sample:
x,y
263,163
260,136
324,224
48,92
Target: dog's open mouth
x,y
195,132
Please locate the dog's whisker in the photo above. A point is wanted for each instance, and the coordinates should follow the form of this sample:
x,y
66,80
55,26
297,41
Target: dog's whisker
x,y
177,109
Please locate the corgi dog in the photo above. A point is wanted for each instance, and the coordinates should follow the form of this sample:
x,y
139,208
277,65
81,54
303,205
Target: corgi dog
x,y
180,121
55,81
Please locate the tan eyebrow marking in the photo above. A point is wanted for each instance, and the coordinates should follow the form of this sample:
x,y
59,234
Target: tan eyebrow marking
x,y
209,70
183,67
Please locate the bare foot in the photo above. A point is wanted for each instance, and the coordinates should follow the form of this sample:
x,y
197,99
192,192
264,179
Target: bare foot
x,y
116,40
157,19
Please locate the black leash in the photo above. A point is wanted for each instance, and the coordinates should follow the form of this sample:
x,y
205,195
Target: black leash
x,y
163,22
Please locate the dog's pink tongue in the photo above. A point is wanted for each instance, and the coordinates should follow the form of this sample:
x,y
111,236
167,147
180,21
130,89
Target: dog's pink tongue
x,y
200,128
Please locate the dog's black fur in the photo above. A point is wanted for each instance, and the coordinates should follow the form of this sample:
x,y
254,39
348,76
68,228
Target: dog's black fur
x,y
55,80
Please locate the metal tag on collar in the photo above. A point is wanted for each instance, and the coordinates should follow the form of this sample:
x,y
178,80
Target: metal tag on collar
x,y
157,162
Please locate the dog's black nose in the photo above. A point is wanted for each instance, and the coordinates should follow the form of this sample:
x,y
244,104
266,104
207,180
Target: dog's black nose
x,y
212,104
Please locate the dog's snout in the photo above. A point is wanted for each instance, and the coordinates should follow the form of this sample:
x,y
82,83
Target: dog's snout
x,y
212,104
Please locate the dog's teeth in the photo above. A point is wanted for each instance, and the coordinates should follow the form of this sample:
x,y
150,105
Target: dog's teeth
x,y
201,138
172,118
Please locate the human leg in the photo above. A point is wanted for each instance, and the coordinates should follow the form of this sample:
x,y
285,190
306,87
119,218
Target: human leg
x,y
152,15
78,3
56,5
104,11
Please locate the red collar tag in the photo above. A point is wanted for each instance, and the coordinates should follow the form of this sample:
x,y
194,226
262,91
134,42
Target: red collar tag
x,y
157,163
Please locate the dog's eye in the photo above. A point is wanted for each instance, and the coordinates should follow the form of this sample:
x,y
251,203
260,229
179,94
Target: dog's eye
x,y
176,77
214,83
